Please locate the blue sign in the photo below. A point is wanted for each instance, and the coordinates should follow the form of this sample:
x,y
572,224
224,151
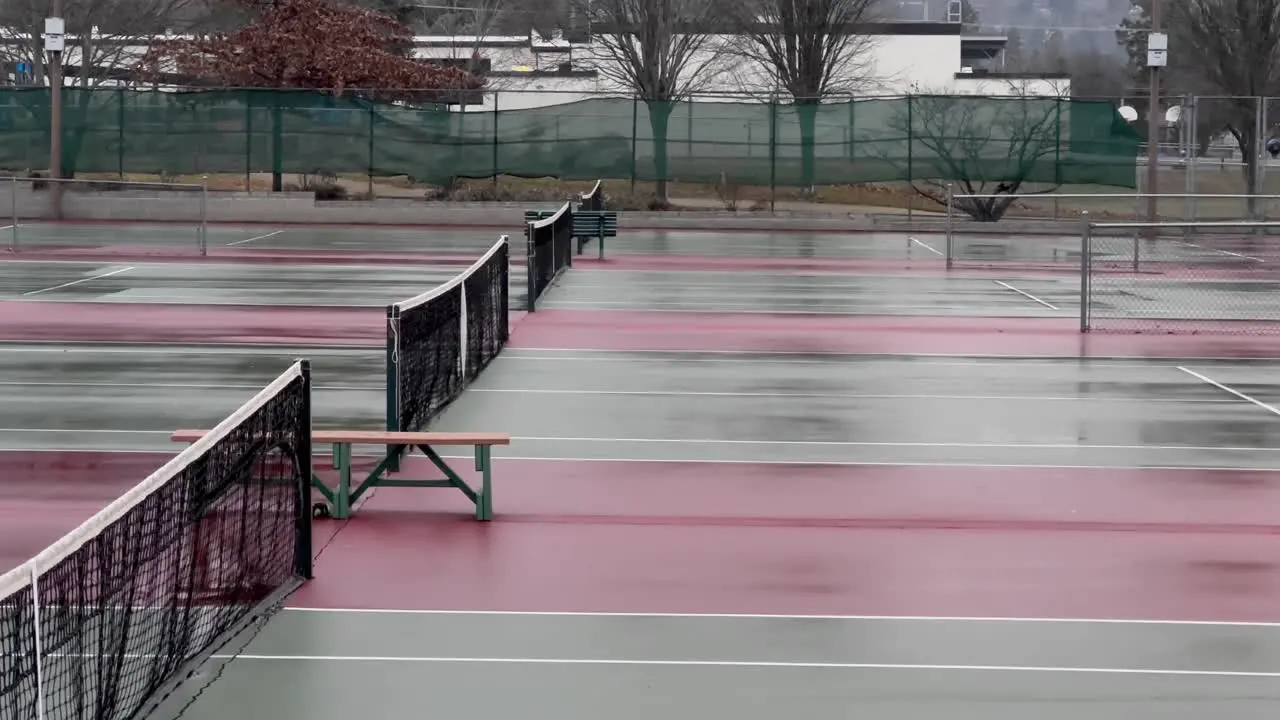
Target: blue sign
x,y
24,67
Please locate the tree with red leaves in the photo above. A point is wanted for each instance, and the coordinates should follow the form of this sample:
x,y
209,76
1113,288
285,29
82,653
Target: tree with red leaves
x,y
310,44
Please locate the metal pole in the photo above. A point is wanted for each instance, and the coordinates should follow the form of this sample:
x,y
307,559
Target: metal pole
x,y
1085,268
202,232
55,121
1259,156
13,210
1153,128
1194,151
950,220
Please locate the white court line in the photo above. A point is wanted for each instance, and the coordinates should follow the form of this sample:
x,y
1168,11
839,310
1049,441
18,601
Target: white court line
x,y
924,245
781,463
640,393
208,386
746,664
711,441
1025,294
732,308
1224,252
256,237
1269,408
750,355
785,616
785,357
99,276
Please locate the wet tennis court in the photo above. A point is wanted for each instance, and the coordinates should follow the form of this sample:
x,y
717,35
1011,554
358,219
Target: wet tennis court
x,y
748,532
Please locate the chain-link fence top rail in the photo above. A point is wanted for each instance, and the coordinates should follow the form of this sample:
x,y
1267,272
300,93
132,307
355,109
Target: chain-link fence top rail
x,y
1047,140
1203,277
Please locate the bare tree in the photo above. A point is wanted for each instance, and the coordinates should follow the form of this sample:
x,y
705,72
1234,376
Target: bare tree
x,y
807,49
1224,48
659,50
994,147
105,37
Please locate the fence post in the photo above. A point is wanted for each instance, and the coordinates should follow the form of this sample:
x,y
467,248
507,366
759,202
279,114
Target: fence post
x,y
120,134
1195,166
950,222
13,211
773,154
373,117
495,138
911,200
1086,267
635,113
202,232
248,141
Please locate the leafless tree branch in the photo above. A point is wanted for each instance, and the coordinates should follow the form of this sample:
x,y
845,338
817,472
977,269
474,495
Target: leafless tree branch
x,y
807,49
657,49
103,35
985,146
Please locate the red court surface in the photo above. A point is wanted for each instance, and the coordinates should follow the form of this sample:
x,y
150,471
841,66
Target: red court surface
x,y
620,330
1141,495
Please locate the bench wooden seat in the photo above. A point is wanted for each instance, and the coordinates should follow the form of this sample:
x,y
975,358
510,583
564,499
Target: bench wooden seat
x,y
587,225
342,498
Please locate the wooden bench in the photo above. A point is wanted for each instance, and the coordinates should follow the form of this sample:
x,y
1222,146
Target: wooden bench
x,y
343,497
587,224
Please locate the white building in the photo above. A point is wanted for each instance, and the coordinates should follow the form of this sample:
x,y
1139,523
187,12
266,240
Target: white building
x,y
530,71
901,58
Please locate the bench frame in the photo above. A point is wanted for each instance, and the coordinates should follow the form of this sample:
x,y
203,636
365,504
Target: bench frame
x,y
343,497
600,219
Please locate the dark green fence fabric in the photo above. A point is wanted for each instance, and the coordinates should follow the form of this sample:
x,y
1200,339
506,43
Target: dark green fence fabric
x,y
1032,139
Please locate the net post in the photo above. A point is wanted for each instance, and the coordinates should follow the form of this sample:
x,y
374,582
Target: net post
x,y
393,383
35,615
950,231
529,268
1085,269
202,232
304,563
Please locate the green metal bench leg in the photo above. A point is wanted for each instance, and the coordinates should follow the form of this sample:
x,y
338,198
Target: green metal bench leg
x,y
342,504
484,503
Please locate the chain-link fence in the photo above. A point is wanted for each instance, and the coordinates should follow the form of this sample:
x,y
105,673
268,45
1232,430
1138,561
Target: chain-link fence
x,y
1200,277
68,215
836,141
1041,231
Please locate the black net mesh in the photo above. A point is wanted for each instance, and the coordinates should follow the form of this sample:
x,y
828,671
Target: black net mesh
x,y
550,251
594,200
428,346
134,598
487,292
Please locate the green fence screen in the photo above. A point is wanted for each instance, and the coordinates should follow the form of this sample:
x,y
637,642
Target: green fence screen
x,y
1033,139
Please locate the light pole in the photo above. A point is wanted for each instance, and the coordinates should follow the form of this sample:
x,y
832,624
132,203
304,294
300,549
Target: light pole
x,y
1157,57
54,43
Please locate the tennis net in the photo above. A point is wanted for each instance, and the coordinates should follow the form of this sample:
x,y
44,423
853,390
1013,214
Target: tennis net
x,y
550,251
439,341
101,624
